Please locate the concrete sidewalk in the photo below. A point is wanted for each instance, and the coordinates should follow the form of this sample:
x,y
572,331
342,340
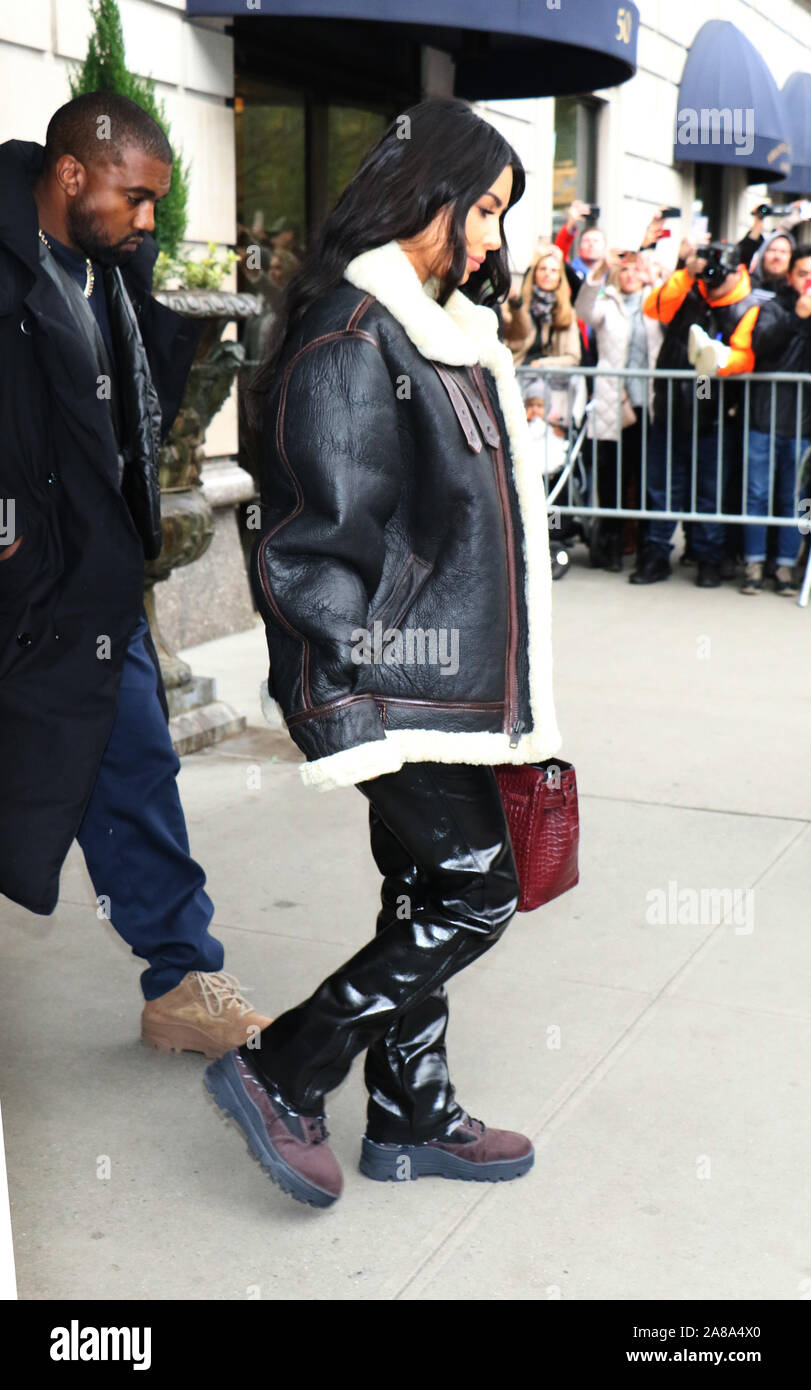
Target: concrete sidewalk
x,y
661,1066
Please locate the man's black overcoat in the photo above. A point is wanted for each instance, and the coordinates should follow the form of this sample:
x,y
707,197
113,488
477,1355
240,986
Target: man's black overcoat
x,y
71,594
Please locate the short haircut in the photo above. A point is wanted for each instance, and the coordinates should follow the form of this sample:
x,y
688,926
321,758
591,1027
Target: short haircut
x,y
800,253
79,128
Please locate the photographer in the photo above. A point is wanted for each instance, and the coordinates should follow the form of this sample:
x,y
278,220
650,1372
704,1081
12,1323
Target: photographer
x,y
781,343
755,237
711,311
769,268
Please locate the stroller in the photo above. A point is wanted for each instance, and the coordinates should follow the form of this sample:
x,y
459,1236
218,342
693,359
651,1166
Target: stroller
x,y
566,474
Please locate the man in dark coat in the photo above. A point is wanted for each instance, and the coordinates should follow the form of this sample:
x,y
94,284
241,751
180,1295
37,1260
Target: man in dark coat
x,y
93,372
710,311
781,342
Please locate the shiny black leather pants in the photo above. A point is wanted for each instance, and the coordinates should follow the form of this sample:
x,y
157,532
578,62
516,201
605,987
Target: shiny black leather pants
x,y
450,887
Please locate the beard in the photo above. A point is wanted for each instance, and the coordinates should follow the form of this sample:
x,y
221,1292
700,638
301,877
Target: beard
x,y
87,232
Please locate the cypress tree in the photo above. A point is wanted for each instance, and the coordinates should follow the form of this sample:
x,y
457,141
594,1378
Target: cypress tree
x,y
105,70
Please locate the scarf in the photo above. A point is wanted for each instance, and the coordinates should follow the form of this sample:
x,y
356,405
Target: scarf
x,y
542,305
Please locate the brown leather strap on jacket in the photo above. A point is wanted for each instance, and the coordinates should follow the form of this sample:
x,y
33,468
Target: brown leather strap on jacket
x,y
477,405
459,404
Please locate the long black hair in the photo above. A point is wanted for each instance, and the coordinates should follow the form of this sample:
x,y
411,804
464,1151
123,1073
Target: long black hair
x,y
437,154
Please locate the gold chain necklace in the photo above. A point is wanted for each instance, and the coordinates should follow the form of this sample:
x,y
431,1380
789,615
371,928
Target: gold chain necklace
x,y
90,280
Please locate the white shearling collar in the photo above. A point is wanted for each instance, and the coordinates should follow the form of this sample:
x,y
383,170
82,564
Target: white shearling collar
x,y
459,333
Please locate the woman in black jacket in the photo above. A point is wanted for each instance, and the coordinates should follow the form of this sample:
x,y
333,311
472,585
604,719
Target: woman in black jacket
x,y
403,575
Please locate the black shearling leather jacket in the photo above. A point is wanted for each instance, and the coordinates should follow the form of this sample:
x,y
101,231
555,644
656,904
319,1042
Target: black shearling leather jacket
x,y
403,566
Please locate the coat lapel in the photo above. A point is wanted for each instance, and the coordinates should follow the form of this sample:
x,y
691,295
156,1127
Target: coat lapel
x,y
71,374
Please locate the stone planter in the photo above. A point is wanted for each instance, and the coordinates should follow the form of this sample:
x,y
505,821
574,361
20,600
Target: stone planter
x,y
191,496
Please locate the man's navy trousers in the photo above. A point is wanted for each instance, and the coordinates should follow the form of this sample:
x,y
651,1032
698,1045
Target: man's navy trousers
x,y
133,836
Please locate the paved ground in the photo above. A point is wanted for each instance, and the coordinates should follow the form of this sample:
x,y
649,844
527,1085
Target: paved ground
x,y
661,1066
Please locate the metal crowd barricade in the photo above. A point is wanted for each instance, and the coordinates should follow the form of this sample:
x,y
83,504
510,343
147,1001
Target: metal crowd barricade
x,y
561,389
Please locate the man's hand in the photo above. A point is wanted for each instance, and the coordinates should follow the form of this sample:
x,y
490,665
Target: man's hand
x,y
693,257
803,306
655,229
690,252
578,212
693,262
795,214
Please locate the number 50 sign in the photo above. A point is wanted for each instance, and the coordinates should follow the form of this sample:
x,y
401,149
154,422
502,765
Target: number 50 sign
x,y
625,25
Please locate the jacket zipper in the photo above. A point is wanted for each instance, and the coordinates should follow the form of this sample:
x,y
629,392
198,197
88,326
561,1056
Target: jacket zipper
x,y
515,733
512,724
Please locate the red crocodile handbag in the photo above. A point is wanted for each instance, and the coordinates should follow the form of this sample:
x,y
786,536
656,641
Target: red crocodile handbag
x,y
540,803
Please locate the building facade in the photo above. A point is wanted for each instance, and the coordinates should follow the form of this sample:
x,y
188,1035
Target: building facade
x,y
227,81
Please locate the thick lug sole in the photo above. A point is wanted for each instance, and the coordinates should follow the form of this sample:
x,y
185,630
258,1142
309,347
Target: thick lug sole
x,y
224,1086
168,1036
407,1162
179,1037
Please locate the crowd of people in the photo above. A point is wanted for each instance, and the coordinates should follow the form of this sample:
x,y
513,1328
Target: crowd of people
x,y
725,310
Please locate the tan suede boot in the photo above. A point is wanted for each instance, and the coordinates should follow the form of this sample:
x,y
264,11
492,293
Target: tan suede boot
x,y
204,1013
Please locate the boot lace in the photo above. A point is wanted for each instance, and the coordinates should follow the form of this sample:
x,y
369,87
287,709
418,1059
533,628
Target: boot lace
x,y
468,1120
221,991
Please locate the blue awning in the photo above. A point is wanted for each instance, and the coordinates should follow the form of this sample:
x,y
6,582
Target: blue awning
x,y
730,110
502,48
797,105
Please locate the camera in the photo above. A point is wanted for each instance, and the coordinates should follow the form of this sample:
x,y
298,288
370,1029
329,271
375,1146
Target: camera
x,y
720,260
593,212
670,212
